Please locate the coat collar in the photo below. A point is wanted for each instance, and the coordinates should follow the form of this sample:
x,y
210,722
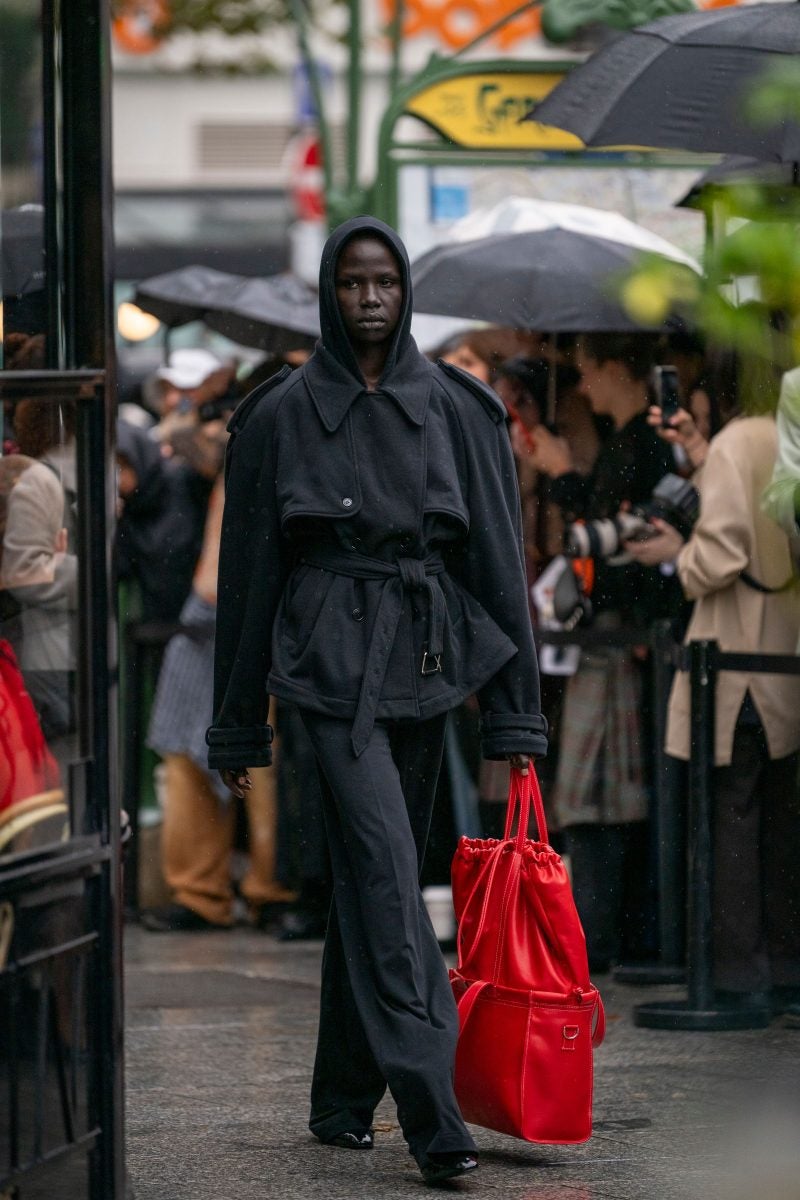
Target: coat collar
x,y
333,389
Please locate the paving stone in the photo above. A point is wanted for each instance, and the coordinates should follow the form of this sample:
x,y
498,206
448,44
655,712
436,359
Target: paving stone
x,y
220,1047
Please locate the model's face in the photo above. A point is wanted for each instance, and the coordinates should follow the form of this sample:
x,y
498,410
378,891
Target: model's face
x,y
468,360
369,291
598,382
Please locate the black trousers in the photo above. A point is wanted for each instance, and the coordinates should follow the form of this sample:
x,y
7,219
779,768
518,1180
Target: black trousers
x,y
609,882
387,1014
756,867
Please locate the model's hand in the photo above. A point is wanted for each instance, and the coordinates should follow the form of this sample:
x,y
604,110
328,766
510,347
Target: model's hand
x,y
681,431
520,762
237,780
664,546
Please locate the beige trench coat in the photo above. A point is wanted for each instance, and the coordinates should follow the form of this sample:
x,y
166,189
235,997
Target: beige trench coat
x,y
734,535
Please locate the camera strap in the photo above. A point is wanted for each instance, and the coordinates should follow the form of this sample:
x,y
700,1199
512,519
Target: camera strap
x,y
748,579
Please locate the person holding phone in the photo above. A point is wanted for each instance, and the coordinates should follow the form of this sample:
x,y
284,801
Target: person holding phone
x,y
737,568
371,572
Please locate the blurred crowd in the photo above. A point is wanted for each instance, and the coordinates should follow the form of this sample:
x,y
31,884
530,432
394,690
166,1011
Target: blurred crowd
x,y
653,489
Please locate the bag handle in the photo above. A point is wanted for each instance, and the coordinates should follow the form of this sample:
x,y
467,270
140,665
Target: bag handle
x,y
522,789
599,1031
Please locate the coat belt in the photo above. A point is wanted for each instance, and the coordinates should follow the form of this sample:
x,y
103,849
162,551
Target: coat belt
x,y
401,575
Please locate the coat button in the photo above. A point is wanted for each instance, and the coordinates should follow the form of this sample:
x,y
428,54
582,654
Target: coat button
x,y
358,614
347,502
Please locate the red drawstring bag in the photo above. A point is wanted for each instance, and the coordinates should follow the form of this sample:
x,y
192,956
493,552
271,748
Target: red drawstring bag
x,y
529,1015
30,787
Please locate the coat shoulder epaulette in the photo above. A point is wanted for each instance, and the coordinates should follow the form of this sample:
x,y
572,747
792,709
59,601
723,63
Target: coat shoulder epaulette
x,y
491,402
243,411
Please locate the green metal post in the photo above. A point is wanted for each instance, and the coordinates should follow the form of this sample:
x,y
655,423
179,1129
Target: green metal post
x,y
299,17
353,98
396,37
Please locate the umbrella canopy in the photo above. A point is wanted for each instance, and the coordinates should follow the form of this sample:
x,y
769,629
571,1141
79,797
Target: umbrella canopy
x,y
522,214
682,83
535,265
276,313
178,297
779,181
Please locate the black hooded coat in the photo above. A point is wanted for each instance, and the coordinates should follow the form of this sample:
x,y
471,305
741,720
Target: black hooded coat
x,y
371,560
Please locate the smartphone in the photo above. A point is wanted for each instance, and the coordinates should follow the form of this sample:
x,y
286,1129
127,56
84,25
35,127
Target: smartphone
x,y
665,384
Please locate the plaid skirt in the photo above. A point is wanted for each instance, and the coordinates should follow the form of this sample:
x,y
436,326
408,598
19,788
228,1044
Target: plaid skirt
x,y
600,776
184,701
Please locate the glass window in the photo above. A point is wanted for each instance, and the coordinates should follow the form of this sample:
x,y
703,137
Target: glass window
x,y
39,607
23,188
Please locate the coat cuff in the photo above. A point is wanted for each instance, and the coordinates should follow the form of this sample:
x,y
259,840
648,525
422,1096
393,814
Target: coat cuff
x,y
229,749
504,734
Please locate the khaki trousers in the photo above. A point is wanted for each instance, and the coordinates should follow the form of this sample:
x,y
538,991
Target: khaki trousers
x,y
197,841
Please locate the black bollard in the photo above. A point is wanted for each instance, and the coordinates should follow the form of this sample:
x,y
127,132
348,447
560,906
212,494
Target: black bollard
x,y
699,1011
668,830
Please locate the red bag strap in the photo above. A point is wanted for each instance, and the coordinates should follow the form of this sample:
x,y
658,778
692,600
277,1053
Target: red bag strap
x,y
467,1002
522,790
599,1031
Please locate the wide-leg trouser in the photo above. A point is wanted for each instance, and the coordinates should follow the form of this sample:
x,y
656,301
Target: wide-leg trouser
x,y
197,840
756,867
387,1014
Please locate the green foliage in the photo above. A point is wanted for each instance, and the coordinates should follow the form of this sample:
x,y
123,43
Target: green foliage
x,y
562,20
232,17
776,95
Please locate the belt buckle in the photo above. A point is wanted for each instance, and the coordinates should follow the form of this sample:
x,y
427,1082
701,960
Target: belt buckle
x,y
437,663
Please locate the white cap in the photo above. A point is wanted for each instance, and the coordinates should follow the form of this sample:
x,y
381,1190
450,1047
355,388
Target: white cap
x,y
189,368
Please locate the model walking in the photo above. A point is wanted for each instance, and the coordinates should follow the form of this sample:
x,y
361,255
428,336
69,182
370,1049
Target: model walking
x,y
371,572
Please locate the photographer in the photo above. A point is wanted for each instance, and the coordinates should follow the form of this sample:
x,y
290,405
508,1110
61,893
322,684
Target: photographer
x,y
600,797
736,566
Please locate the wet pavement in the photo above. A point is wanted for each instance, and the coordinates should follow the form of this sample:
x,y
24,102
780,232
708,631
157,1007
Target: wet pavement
x,y
220,1039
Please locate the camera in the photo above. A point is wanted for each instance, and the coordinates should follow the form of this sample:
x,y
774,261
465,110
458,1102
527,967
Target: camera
x,y
218,409
674,500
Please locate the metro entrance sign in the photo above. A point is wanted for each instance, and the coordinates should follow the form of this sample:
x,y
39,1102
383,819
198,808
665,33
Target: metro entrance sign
x,y
476,108
485,111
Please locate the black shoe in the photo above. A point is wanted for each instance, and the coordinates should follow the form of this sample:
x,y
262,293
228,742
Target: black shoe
x,y
441,1167
302,926
353,1141
268,917
176,918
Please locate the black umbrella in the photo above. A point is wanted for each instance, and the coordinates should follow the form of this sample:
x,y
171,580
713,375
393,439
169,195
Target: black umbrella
x,y
178,297
278,313
683,83
553,279
777,182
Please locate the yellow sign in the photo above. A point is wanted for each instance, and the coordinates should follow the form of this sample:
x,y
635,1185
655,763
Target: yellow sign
x,y
484,112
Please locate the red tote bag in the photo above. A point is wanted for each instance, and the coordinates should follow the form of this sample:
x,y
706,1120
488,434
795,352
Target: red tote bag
x,y
529,1015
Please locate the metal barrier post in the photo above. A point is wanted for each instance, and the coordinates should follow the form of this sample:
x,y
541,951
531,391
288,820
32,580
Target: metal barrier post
x,y
698,1011
668,824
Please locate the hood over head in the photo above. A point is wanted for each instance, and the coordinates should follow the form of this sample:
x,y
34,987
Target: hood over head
x,y
332,373
334,337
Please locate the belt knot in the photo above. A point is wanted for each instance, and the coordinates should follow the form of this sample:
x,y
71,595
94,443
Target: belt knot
x,y
412,573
